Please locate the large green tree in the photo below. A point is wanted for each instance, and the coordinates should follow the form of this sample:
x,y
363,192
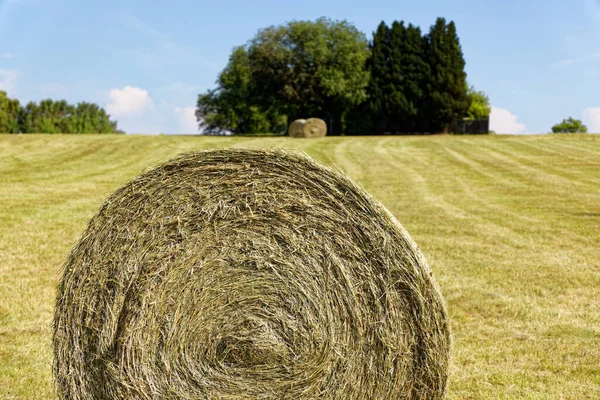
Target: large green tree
x,y
417,82
10,114
372,116
401,81
397,107
310,68
297,70
407,77
231,107
447,98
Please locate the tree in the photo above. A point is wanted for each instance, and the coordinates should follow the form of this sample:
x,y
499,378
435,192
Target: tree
x,y
380,74
39,118
479,104
570,125
417,72
397,108
401,81
407,77
10,114
50,116
307,68
418,82
399,74
90,118
230,107
446,86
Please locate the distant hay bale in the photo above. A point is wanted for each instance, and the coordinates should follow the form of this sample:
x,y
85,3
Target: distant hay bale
x,y
315,128
242,274
297,128
309,128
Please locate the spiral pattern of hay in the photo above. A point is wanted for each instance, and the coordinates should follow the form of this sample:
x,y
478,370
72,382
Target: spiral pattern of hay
x,y
297,128
247,274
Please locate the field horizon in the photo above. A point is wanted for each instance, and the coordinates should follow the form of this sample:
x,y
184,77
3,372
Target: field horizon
x,y
510,225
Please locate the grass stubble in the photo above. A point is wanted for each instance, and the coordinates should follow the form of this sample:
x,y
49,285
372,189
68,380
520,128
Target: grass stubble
x,y
509,225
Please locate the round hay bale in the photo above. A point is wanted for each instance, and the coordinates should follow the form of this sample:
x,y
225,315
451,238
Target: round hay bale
x,y
297,128
243,274
315,128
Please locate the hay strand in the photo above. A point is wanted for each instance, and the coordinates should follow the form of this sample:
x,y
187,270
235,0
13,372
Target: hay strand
x,y
245,274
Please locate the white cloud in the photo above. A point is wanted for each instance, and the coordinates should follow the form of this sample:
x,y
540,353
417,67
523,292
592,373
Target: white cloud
x,y
129,101
591,118
187,119
8,77
503,121
7,55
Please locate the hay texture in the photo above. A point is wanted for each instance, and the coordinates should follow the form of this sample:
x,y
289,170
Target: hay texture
x,y
315,128
310,128
297,128
247,274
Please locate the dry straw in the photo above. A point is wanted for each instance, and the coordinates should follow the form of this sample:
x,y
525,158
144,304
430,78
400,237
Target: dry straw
x,y
308,128
297,128
315,128
247,274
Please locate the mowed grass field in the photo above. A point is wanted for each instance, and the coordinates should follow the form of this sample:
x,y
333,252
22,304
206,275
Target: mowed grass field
x,y
510,225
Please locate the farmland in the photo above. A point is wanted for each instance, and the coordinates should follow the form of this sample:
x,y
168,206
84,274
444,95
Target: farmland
x,y
510,226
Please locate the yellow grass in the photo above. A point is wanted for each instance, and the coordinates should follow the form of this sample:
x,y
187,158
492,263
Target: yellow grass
x,y
510,225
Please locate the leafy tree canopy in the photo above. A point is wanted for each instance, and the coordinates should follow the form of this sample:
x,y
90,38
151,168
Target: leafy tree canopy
x,y
230,107
308,67
50,116
10,114
479,104
570,125
401,81
300,69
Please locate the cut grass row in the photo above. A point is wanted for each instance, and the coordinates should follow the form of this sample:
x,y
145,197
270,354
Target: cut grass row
x,y
510,225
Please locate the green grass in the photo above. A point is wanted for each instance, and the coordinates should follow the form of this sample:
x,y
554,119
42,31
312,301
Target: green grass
x,y
510,225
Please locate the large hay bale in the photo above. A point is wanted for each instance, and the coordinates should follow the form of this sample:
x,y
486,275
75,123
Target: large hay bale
x,y
297,128
244,274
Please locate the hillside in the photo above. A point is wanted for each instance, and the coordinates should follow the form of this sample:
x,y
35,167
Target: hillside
x,y
510,226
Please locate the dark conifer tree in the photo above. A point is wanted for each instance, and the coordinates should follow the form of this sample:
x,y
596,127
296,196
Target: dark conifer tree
x,y
408,78
447,87
380,76
396,106
417,73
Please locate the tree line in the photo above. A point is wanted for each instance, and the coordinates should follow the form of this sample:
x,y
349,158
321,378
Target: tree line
x,y
400,81
53,116
570,125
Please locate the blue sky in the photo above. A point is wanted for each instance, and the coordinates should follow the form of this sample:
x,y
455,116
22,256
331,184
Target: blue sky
x,y
146,61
